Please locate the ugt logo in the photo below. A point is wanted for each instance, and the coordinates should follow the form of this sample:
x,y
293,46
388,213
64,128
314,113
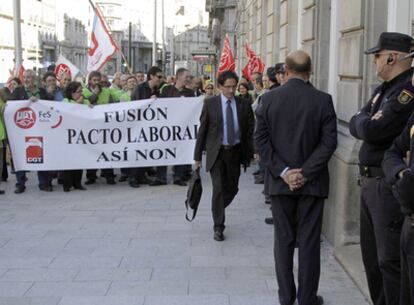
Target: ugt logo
x,y
25,118
34,150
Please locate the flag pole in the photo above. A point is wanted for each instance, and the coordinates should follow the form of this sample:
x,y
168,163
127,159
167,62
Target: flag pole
x,y
97,9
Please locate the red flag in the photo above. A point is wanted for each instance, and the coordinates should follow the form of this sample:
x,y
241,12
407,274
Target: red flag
x,y
226,60
254,64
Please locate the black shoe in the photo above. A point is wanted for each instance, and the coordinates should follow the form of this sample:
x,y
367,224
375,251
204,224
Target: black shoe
x,y
66,189
110,181
3,179
269,220
259,179
19,190
80,188
144,181
319,300
134,184
123,179
256,172
218,236
180,182
90,181
157,183
151,172
46,188
2,192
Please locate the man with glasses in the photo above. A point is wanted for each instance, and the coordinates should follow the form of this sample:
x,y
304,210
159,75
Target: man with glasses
x,y
378,123
225,133
182,173
146,90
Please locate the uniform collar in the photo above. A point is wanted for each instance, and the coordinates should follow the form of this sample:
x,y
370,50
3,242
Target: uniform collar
x,y
401,77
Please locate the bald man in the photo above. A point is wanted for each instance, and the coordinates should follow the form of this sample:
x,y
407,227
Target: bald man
x,y
296,136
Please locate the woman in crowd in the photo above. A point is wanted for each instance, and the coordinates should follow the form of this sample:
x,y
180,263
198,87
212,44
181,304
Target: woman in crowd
x,y
209,89
13,83
73,178
243,90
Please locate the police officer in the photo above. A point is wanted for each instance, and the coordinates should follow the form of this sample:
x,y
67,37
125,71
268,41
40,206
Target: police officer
x,y
399,168
182,173
378,123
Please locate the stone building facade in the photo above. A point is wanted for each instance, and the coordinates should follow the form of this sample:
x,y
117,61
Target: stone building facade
x,y
186,43
335,33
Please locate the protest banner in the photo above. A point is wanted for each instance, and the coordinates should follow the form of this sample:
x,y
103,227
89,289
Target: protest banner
x,y
46,135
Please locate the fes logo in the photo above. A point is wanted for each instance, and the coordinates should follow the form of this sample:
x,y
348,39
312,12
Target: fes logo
x,y
34,150
25,118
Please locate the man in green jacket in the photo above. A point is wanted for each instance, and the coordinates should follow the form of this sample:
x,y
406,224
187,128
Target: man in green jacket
x,y
98,95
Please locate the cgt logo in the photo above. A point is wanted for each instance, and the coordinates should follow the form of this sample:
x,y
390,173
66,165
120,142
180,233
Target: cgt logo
x,y
34,150
25,118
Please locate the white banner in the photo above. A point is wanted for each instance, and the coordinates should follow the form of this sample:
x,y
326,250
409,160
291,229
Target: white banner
x,y
46,135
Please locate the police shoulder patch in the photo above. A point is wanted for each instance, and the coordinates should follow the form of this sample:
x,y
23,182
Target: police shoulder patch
x,y
405,97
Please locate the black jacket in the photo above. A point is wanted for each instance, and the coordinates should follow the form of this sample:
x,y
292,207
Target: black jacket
x,y
20,93
143,91
296,128
393,98
172,91
394,158
210,132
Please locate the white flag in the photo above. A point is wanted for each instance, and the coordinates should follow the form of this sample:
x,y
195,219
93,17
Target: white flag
x,y
102,45
63,65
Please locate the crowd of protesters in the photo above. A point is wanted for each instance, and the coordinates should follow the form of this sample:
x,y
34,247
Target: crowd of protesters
x,y
99,89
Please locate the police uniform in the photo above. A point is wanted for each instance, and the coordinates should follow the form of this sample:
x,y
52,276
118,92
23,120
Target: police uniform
x,y
182,173
381,218
403,188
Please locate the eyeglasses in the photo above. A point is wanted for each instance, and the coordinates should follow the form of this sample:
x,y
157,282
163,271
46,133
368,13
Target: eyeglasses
x,y
230,87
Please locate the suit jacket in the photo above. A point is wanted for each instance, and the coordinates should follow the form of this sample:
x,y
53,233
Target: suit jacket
x,y
210,132
296,128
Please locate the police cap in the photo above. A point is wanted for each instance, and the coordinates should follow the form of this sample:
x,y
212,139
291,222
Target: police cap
x,y
394,42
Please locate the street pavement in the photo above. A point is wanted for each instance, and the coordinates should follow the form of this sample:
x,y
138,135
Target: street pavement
x,y
114,245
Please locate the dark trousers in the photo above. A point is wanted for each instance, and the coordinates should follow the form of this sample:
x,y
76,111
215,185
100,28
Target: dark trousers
x,y
107,173
407,262
4,174
72,178
136,175
182,172
381,221
161,173
225,175
297,219
44,177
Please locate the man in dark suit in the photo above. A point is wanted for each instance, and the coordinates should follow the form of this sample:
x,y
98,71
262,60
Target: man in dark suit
x,y
296,136
225,132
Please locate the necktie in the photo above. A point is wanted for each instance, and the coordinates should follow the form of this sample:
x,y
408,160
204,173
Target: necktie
x,y
230,124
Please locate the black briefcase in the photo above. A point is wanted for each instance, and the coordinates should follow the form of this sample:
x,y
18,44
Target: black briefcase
x,y
195,190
